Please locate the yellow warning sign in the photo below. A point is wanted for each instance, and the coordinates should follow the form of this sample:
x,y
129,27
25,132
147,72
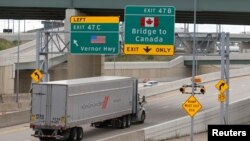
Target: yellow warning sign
x,y
94,19
191,106
148,49
36,76
222,86
221,97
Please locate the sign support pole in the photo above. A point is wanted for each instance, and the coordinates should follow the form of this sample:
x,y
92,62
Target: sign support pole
x,y
38,37
114,65
227,76
46,57
193,69
222,53
17,69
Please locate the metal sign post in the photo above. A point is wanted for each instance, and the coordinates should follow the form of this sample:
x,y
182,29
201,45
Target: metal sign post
x,y
17,67
224,52
193,69
227,75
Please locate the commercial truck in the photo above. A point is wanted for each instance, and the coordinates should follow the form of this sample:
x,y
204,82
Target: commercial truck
x,y
60,108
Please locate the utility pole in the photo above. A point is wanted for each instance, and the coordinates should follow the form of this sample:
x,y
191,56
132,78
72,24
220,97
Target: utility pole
x,y
193,69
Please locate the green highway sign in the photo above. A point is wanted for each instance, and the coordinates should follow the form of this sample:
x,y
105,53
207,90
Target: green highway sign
x,y
149,30
94,35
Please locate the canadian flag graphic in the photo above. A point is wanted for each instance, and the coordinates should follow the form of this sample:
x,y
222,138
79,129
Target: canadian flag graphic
x,y
149,22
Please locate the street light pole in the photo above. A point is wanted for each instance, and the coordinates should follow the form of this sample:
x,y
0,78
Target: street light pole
x,y
193,68
17,67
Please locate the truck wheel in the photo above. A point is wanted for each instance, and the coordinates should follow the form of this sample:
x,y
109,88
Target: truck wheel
x,y
73,134
79,133
124,122
128,121
143,117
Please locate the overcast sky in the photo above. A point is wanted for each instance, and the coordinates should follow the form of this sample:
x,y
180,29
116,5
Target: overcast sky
x,y
33,24
29,24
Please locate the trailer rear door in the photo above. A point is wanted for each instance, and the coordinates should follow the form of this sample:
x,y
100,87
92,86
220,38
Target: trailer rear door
x,y
39,102
58,105
48,105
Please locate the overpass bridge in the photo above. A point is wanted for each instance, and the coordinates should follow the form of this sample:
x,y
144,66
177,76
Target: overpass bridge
x,y
28,51
235,58
212,11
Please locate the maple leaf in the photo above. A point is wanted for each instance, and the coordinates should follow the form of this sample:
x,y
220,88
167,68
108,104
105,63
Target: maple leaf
x,y
149,21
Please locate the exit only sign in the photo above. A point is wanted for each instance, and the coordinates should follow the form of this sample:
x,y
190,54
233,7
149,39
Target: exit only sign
x,y
149,30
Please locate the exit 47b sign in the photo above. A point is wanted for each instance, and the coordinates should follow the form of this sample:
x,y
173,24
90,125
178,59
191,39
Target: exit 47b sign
x,y
149,30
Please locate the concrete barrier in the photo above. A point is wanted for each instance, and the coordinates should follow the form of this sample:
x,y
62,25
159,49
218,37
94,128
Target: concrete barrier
x,y
14,118
21,106
22,97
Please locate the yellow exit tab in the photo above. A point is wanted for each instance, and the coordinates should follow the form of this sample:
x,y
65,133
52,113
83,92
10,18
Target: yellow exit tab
x,y
148,49
94,19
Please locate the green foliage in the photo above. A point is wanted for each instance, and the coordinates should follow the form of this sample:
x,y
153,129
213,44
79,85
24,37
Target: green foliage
x,y
4,44
15,43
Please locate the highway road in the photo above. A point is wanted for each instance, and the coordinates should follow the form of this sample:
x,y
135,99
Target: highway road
x,y
160,108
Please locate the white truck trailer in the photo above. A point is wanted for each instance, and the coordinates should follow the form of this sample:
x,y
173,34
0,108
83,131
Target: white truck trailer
x,y
60,108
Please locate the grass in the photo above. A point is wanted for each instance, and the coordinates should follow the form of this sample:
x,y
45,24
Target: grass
x,y
5,44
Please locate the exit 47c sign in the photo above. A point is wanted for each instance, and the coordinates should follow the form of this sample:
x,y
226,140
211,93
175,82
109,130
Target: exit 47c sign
x,y
149,30
94,35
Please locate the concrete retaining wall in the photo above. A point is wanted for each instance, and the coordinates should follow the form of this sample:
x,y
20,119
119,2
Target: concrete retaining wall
x,y
160,71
